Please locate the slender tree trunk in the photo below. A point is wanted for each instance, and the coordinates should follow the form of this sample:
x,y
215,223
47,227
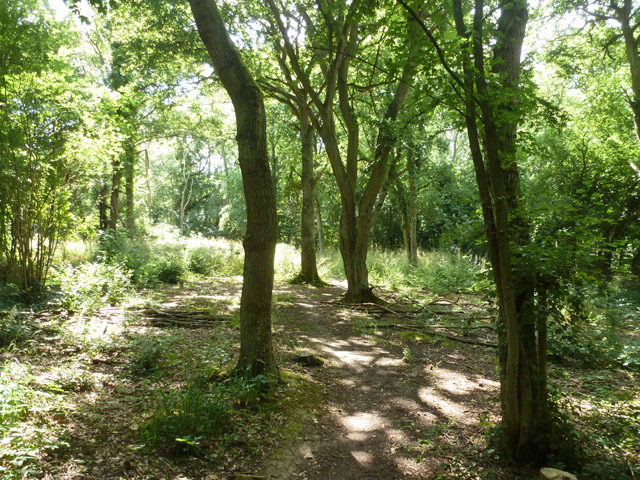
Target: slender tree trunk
x,y
523,363
129,175
631,47
256,346
413,217
103,208
309,270
148,178
116,178
319,230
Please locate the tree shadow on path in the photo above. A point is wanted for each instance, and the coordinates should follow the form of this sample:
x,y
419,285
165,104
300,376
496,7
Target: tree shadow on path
x,y
391,407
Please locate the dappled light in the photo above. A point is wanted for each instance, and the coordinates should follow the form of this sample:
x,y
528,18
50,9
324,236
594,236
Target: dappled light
x,y
319,240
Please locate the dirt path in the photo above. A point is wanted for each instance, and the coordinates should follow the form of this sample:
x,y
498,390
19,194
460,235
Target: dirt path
x,y
391,407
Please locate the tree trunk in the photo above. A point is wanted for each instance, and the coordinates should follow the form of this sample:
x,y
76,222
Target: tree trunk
x,y
413,217
129,175
116,177
522,362
631,47
103,208
308,266
319,230
256,346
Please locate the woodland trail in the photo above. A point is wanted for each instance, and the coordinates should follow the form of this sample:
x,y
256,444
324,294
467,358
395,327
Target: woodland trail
x,y
391,407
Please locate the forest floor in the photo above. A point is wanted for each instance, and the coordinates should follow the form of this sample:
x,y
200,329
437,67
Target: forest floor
x,y
408,390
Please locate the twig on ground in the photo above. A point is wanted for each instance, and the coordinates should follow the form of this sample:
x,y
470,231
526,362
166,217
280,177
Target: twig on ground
x,y
413,328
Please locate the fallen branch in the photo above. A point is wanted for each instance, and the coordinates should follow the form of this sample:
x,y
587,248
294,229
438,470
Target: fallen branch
x,y
183,318
413,328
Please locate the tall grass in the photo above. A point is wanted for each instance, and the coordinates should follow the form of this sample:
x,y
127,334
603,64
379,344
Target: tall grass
x,y
438,272
166,257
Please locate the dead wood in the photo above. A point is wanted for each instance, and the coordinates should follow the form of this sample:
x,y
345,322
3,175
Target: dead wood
x,y
181,317
414,328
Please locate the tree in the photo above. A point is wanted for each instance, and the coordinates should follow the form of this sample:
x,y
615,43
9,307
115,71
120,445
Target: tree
x,y
256,349
492,86
39,115
317,77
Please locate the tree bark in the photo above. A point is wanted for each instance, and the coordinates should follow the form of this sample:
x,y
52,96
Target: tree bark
x,y
522,361
256,346
103,208
129,175
308,266
413,216
319,229
116,178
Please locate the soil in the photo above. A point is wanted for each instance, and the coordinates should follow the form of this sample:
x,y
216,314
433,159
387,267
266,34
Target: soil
x,y
387,403
393,406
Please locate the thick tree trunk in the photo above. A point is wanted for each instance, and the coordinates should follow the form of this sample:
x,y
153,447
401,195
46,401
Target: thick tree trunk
x,y
129,175
256,346
308,266
116,178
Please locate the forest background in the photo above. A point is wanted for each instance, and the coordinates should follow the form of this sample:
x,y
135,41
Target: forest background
x,y
410,149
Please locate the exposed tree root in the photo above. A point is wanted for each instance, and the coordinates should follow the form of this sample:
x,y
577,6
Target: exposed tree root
x,y
301,279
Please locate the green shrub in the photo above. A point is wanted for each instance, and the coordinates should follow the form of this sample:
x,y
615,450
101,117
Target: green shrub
x,y
12,328
182,419
148,353
92,285
14,396
204,261
170,269
287,262
214,257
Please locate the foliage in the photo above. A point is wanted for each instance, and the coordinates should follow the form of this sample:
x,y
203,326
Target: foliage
x,y
592,329
40,111
17,453
148,353
12,328
201,412
92,285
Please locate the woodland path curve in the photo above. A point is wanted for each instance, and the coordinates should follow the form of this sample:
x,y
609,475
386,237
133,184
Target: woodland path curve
x,y
389,403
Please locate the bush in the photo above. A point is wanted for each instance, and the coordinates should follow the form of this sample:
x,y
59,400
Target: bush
x,y
92,285
182,419
213,257
12,328
287,262
147,356
170,268
203,261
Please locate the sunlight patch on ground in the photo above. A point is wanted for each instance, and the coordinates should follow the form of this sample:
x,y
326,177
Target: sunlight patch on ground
x,y
305,305
363,458
350,358
450,409
358,436
407,403
388,362
459,384
363,422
